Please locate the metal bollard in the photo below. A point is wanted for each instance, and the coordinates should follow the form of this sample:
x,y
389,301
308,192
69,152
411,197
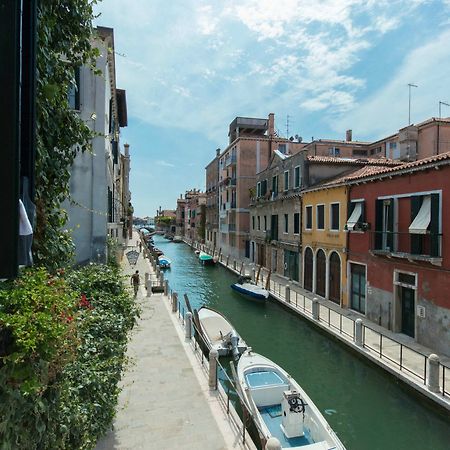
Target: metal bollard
x,y
188,326
315,308
146,277
359,332
253,274
288,294
273,444
149,288
166,287
433,373
234,265
158,271
174,302
213,355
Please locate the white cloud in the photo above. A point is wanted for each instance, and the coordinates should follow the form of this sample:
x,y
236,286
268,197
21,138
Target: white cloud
x,y
386,110
163,163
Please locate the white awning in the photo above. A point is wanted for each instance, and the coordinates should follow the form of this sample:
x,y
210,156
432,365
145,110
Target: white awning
x,y
354,218
422,220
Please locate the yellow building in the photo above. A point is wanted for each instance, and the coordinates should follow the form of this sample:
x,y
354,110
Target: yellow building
x,y
324,241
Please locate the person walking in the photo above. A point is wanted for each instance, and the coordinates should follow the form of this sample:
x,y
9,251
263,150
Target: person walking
x,y
135,282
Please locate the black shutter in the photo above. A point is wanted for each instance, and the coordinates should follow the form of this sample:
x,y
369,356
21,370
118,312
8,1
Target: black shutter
x,y
435,238
390,226
416,239
378,224
110,205
363,212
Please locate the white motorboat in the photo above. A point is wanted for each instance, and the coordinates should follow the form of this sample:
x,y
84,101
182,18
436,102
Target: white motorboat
x,y
219,333
280,407
164,262
246,286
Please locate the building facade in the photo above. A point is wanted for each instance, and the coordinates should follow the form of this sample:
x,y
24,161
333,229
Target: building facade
x,y
212,202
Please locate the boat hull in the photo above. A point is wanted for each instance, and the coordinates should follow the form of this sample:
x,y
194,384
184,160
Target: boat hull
x,y
254,294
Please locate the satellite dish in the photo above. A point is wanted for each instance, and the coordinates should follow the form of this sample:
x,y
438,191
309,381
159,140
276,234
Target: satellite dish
x,y
299,139
291,138
296,136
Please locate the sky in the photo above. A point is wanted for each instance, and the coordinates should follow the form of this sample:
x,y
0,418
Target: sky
x,y
189,67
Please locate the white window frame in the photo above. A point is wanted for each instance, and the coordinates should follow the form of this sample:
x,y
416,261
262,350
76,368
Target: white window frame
x,y
317,217
306,217
331,216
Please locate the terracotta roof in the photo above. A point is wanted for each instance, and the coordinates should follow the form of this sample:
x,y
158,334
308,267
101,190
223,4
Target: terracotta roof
x,y
368,172
354,161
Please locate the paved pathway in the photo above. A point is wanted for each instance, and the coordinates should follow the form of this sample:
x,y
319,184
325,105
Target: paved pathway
x,y
162,405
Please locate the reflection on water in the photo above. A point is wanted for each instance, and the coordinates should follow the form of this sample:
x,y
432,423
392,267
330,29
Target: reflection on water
x,y
367,408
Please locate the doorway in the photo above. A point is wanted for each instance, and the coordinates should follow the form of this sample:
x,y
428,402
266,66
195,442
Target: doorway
x,y
407,311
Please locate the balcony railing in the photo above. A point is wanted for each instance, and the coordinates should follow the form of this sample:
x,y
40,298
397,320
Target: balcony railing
x,y
230,160
406,245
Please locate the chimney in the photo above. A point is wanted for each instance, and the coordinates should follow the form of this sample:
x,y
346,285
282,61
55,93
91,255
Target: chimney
x,y
127,149
348,135
271,124
217,151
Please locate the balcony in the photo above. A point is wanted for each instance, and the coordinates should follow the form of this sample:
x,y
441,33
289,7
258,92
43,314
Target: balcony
x,y
413,247
230,160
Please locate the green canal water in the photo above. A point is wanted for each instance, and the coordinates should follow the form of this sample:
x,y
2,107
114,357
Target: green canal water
x,y
368,409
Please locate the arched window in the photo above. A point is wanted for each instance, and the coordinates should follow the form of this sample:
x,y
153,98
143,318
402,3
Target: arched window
x,y
321,265
335,278
308,277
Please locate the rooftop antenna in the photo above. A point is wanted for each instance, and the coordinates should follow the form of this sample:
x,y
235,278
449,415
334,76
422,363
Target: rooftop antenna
x,y
410,85
287,125
442,103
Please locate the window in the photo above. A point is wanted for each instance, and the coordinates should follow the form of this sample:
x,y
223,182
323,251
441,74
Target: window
x,y
265,223
74,92
253,222
259,223
320,217
334,217
274,227
282,148
263,188
384,224
308,214
356,215
258,190
286,223
286,180
296,223
297,177
334,151
275,184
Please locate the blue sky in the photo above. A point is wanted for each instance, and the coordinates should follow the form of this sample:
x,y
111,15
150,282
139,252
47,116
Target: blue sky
x,y
191,66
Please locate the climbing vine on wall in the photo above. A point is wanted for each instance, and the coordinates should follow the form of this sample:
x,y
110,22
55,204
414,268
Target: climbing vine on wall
x,y
64,44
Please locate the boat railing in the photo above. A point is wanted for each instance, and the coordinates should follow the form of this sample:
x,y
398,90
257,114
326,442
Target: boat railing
x,y
388,350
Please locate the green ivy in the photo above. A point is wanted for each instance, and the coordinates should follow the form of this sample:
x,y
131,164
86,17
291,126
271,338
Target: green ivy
x,y
64,43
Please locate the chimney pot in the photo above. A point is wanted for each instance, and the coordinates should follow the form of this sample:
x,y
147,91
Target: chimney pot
x,y
348,135
271,124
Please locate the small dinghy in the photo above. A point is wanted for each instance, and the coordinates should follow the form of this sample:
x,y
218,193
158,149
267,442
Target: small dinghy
x,y
246,286
280,407
219,333
205,259
164,262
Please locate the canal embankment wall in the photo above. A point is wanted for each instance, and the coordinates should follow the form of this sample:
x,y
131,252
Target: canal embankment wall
x,y
415,365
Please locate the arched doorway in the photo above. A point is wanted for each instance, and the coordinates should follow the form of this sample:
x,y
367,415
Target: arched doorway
x,y
335,278
308,277
321,265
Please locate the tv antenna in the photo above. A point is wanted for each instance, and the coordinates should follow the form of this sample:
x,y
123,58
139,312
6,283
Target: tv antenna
x,y
287,125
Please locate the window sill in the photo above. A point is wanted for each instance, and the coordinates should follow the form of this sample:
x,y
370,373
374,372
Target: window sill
x,y
436,261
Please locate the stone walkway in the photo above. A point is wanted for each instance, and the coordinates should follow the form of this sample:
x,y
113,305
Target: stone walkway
x,y
162,404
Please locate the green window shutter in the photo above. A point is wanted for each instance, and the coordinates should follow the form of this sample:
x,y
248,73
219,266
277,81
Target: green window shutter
x,y
390,226
435,239
378,224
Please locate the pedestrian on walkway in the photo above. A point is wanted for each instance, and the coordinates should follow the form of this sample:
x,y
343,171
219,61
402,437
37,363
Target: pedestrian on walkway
x,y
135,281
140,246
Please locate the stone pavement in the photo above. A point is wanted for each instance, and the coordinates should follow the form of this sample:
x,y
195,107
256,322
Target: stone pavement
x,y
162,404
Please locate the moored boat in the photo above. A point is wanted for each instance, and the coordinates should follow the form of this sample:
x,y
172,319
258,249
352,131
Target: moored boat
x,y
164,262
246,286
205,259
281,408
219,333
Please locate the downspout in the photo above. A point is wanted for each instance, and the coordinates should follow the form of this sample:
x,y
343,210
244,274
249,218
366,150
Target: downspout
x,y
438,137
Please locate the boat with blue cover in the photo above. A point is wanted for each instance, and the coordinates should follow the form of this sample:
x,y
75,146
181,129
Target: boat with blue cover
x,y
164,262
246,286
205,259
280,407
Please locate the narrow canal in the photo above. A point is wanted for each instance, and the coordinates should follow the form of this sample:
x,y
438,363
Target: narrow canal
x,y
368,409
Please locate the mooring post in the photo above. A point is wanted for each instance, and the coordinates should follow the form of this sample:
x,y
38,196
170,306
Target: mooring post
x,y
433,373
166,287
253,274
359,332
174,302
315,308
146,277
158,271
288,293
149,287
213,355
273,444
188,326
234,265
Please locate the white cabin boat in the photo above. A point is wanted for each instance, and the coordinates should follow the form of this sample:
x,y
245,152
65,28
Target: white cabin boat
x,y
281,408
247,287
219,333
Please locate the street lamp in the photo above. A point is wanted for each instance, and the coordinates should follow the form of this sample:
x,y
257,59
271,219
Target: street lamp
x,y
410,85
442,103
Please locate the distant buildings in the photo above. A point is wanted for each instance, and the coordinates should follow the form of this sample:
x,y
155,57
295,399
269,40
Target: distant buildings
x,y
99,184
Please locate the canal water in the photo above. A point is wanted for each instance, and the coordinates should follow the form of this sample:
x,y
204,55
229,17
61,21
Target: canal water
x,y
368,409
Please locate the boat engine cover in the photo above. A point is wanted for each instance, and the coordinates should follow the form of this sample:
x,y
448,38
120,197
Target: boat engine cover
x,y
292,409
